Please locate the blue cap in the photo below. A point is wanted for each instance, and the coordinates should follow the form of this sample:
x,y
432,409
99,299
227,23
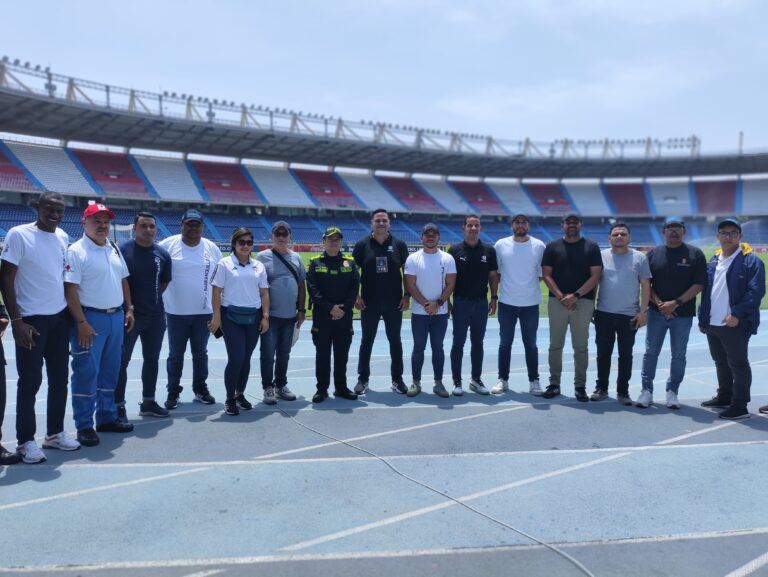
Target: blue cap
x,y
192,214
674,220
729,222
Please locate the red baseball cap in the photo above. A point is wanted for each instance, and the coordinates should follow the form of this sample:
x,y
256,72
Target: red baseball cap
x,y
96,208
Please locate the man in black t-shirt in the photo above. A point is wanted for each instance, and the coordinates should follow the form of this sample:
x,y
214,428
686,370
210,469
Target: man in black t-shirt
x,y
571,268
679,273
380,257
476,268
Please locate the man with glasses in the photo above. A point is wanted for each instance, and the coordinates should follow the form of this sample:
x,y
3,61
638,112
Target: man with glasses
x,y
287,298
729,315
380,257
519,259
188,306
679,273
625,281
571,268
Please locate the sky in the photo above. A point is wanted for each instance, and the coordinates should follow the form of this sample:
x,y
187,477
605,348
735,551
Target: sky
x,y
543,69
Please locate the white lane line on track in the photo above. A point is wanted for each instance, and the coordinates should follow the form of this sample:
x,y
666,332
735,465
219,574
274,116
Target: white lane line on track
x,y
350,556
751,567
205,573
696,433
390,432
99,489
446,504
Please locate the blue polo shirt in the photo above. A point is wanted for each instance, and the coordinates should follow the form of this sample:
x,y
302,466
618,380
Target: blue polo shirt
x,y
149,267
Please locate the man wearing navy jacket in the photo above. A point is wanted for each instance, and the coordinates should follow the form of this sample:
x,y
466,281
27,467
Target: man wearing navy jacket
x,y
729,315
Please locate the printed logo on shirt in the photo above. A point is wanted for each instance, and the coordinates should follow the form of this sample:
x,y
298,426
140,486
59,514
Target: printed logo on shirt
x,y
382,264
484,259
390,248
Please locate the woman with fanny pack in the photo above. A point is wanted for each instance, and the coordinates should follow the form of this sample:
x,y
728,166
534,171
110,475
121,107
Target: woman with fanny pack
x,y
241,312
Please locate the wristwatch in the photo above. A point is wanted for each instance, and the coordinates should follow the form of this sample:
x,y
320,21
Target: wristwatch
x,y
302,311
440,302
494,298
577,294
679,302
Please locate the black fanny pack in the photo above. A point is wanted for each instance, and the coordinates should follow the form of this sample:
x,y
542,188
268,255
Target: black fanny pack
x,y
243,315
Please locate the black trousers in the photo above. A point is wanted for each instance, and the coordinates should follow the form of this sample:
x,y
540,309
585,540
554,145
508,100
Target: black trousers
x,y
611,328
2,388
51,346
729,349
369,323
336,336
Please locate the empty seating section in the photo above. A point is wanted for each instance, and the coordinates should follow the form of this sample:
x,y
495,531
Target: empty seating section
x,y
671,198
588,198
755,197
404,232
371,192
53,168
628,199
550,198
304,230
13,214
446,195
411,195
718,197
515,198
113,173
327,190
480,198
225,183
278,186
12,177
170,178
226,223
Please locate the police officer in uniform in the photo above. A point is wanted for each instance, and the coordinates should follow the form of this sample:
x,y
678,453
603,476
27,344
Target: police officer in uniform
x,y
333,281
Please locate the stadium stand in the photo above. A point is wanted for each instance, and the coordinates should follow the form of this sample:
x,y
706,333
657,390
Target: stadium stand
x,y
671,198
327,190
279,187
754,196
11,176
370,192
109,173
588,198
170,179
549,198
51,166
446,195
515,198
478,196
224,183
627,199
411,194
715,197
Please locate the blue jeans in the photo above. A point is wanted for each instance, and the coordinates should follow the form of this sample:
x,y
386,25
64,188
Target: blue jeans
x,y
529,326
240,341
655,332
95,370
434,327
468,314
151,329
275,352
183,328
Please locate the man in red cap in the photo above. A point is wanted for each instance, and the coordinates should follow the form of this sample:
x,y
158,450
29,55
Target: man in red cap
x,y
99,301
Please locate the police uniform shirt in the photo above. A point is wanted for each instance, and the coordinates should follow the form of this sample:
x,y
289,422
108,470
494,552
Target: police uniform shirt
x,y
192,266
473,264
380,267
98,271
332,281
240,283
40,257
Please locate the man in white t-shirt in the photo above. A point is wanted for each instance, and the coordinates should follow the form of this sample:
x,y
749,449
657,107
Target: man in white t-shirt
x,y
519,261
31,278
188,305
430,276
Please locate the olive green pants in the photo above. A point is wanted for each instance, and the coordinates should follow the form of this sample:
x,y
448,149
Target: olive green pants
x,y
560,319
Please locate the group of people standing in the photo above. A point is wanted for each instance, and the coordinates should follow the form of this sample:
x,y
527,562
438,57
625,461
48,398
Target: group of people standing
x,y
94,300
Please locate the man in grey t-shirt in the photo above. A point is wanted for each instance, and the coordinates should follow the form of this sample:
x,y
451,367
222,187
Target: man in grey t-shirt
x,y
622,304
287,295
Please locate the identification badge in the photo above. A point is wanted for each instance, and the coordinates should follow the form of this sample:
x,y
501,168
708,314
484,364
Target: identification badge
x,y
382,265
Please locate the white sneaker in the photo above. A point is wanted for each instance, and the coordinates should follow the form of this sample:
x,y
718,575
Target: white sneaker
x,y
30,452
457,390
285,393
672,402
269,396
478,387
645,399
62,441
501,387
534,388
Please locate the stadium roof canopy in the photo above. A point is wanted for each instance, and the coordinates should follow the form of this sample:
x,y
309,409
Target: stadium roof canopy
x,y
39,103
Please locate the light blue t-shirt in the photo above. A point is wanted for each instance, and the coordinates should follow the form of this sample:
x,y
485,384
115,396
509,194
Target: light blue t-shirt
x,y
619,291
283,290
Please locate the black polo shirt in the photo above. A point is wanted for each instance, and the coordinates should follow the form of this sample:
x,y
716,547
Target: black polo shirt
x,y
673,271
571,263
380,267
473,263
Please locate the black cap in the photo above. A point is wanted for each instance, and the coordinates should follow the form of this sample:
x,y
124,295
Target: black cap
x,y
281,224
729,222
430,227
192,214
571,215
674,220
521,215
332,230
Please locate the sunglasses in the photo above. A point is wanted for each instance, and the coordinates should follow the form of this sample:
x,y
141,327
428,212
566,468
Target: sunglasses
x,y
281,233
243,242
728,234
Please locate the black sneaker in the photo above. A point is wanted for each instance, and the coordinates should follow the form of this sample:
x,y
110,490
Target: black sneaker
x,y
319,396
361,387
734,414
122,414
599,395
8,458
764,410
717,401
88,438
345,394
230,407
172,401
398,386
114,427
242,402
204,396
581,394
152,409
551,392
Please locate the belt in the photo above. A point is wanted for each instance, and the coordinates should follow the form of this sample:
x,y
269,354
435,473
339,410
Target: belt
x,y
105,311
